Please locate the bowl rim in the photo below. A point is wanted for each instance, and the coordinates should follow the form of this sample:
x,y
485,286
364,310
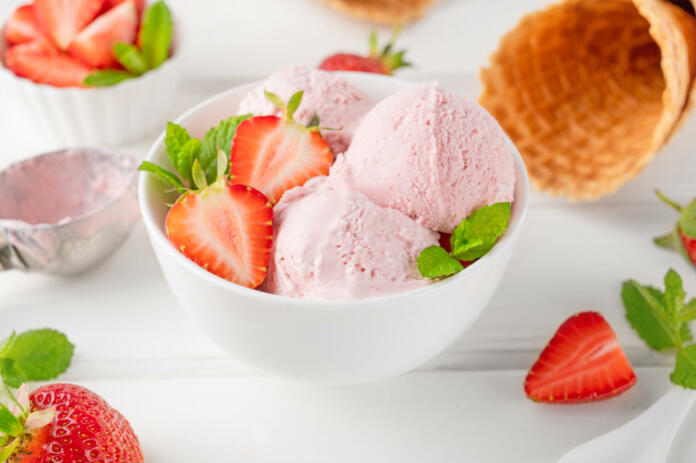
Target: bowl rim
x,y
521,206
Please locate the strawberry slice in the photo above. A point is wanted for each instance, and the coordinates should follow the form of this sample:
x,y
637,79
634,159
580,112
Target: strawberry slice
x,y
275,154
63,19
95,44
21,27
226,229
583,362
139,4
41,62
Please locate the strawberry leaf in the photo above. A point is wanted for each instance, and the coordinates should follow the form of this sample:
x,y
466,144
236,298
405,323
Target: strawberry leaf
x,y
684,373
674,295
130,58
687,220
293,104
435,261
688,312
156,34
646,312
198,175
174,139
162,174
275,99
106,77
9,424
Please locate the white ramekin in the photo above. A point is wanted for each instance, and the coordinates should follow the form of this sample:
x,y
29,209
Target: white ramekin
x,y
94,116
334,342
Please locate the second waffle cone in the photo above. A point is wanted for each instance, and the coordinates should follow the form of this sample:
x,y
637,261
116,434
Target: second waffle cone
x,y
589,90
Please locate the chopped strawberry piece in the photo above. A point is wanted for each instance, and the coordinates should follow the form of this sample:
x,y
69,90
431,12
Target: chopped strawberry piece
x,y
21,27
583,362
41,62
226,229
95,44
61,20
274,155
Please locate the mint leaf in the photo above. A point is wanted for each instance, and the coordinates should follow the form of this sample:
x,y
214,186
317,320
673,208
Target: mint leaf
x,y
218,137
684,373
35,355
688,312
174,139
478,233
647,314
9,424
130,58
687,220
188,153
674,295
106,77
156,34
162,174
434,262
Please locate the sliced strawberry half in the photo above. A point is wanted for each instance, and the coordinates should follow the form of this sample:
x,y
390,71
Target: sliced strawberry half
x,y
41,62
139,4
583,362
275,154
226,229
61,20
95,44
22,27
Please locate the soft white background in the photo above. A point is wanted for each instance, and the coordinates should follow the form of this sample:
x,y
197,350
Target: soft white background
x,y
189,401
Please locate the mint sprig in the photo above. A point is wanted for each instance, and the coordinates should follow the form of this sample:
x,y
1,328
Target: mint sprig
x,y
471,240
155,37
661,319
35,355
186,153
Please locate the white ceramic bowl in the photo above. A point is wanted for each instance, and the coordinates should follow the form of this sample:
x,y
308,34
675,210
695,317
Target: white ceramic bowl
x,y
335,342
94,116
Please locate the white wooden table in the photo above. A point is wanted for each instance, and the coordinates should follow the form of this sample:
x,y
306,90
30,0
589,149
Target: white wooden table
x,y
189,401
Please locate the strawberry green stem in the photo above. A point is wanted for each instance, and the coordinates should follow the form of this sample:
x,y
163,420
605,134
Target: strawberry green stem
x,y
668,201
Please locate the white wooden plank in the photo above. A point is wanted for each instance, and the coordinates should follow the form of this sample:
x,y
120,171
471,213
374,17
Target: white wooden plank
x,y
438,417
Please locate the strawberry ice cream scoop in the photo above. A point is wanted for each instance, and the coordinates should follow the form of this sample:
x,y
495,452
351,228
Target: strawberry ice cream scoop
x,y
430,154
337,104
333,243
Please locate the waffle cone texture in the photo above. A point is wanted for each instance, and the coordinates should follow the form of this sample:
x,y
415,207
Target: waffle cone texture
x,y
392,12
590,90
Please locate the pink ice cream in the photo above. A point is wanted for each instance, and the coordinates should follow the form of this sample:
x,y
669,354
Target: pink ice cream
x,y
430,154
333,243
337,104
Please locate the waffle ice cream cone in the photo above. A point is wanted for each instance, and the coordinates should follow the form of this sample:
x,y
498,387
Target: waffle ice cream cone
x,y
382,11
590,90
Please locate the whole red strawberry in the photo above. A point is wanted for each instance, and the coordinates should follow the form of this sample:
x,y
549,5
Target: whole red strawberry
x,y
683,237
384,62
583,362
68,424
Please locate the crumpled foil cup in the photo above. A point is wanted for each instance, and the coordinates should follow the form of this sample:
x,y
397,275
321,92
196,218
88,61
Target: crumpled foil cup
x,y
66,211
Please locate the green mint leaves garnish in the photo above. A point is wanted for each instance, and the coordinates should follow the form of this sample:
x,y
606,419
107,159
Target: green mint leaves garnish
x,y
471,240
155,37
106,77
435,261
35,355
478,233
130,58
662,319
196,162
156,34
